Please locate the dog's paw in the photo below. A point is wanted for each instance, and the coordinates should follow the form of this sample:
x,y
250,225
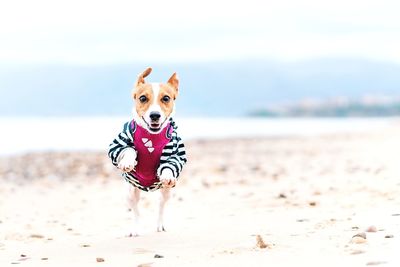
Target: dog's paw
x,y
168,182
161,228
134,231
128,161
132,234
126,166
167,178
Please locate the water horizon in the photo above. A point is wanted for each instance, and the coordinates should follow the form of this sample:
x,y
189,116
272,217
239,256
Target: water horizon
x,y
38,134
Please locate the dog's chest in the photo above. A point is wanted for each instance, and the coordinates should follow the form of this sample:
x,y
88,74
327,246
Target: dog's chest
x,y
149,148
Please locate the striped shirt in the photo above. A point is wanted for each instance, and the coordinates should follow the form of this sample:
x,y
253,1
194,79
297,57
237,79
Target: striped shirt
x,y
173,155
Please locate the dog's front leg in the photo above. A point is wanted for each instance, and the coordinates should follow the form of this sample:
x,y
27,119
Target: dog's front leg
x,y
133,201
165,196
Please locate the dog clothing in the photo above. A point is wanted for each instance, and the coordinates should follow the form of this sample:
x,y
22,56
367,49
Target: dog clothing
x,y
155,152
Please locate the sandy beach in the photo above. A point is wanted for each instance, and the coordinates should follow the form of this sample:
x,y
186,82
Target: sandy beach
x,y
283,201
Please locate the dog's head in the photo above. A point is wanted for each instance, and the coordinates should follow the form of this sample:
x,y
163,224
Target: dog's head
x,y
154,102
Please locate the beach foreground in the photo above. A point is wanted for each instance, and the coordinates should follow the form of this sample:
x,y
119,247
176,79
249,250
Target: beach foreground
x,y
295,201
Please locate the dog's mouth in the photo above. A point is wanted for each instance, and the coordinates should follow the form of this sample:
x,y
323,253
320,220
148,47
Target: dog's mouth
x,y
153,126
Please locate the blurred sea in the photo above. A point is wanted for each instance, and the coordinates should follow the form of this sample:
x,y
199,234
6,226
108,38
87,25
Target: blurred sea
x,y
22,135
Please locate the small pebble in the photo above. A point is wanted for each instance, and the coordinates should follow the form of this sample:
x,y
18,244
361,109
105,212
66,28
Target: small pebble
x,y
317,193
362,234
260,242
36,236
157,256
302,220
282,195
312,203
372,229
389,236
44,259
99,259
359,238
85,246
375,263
357,252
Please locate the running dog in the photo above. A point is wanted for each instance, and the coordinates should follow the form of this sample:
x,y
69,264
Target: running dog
x,y
149,151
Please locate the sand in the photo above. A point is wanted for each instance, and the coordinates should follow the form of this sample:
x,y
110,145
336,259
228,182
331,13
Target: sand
x,y
240,202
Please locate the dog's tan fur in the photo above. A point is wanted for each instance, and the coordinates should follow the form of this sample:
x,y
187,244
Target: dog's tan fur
x,y
145,89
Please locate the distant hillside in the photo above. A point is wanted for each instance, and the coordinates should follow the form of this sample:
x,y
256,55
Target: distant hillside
x,y
212,89
351,109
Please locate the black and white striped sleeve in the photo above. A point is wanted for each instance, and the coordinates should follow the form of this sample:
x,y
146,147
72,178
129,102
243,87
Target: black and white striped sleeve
x,y
123,141
173,156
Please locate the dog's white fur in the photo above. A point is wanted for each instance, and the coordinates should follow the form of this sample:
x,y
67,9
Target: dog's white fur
x,y
127,162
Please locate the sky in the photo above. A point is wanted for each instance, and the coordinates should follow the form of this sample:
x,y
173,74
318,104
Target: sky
x,y
114,32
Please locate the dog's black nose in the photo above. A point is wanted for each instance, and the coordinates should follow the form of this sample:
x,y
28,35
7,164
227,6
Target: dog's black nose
x,y
155,116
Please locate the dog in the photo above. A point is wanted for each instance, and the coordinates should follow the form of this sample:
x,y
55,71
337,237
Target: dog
x,y
149,151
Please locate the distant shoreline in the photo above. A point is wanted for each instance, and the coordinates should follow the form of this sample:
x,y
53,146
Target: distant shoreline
x,y
327,110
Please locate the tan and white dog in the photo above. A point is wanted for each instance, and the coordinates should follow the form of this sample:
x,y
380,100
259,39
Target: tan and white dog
x,y
148,150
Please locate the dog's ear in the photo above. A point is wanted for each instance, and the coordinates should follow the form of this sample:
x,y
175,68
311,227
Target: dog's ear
x,y
140,80
174,83
144,74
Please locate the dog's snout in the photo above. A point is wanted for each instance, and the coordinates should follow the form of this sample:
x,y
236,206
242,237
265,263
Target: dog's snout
x,y
155,116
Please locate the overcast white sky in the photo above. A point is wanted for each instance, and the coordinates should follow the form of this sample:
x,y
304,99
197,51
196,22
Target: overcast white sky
x,y
118,31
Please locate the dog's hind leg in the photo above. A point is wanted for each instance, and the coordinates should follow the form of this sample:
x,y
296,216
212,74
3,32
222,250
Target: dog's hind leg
x,y
165,196
133,201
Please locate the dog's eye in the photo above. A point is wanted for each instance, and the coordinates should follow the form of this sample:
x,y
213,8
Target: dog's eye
x,y
166,99
143,99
